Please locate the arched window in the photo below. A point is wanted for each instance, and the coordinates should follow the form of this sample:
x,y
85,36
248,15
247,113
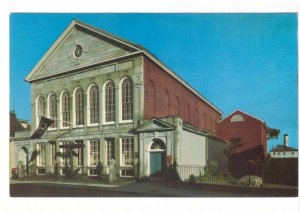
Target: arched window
x,y
65,109
188,111
150,94
237,118
79,107
93,105
177,102
197,118
40,108
127,99
109,99
53,110
165,102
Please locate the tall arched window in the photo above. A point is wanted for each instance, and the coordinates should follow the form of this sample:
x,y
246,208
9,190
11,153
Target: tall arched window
x,y
188,111
150,94
79,107
109,99
197,118
204,121
40,109
166,103
94,105
127,99
65,109
53,110
178,106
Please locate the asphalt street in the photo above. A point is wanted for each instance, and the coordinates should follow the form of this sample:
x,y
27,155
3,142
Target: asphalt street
x,y
54,189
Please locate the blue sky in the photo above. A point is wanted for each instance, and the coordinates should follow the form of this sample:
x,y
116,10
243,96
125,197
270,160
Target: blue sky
x,y
237,61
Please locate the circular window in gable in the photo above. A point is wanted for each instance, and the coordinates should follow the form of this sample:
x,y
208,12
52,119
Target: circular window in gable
x,y
77,51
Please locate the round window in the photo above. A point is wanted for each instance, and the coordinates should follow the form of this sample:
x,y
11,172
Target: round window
x,y
77,51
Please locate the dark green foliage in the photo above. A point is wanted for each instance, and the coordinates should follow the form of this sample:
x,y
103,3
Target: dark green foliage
x,y
273,133
171,173
281,171
192,179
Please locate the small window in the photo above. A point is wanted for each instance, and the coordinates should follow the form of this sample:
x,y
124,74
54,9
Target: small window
x,y
237,118
77,51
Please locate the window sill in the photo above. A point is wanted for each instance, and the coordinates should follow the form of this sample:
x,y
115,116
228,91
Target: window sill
x,y
109,123
64,128
52,129
93,125
126,122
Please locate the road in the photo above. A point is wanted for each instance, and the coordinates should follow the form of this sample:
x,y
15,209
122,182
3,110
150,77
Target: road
x,y
29,189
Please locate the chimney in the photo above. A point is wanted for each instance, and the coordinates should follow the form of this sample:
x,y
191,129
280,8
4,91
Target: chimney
x,y
285,139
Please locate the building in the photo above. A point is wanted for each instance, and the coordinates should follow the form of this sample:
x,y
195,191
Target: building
x,y
252,133
284,151
113,99
16,125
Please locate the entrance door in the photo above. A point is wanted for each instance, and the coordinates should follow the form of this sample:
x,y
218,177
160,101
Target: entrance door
x,y
157,161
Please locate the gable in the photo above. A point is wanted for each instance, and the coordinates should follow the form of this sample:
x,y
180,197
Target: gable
x,y
154,125
96,47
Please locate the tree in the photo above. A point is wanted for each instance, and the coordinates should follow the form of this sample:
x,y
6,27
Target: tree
x,y
233,161
273,133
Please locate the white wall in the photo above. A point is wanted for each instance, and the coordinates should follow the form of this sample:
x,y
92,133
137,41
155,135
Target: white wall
x,y
284,154
192,149
191,155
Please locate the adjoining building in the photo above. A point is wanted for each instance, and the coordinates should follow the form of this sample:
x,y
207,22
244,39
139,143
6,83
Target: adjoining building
x,y
284,151
115,100
252,134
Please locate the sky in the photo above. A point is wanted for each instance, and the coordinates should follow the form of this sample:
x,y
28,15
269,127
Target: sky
x,y
245,61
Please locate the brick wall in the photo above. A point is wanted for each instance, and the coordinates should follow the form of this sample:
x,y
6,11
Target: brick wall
x,y
251,131
165,96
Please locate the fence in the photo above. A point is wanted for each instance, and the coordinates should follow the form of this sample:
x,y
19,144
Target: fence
x,y
217,175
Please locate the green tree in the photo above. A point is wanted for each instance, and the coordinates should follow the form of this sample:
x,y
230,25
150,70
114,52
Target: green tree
x,y
273,133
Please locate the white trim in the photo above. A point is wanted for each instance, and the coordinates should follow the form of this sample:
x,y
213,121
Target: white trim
x,y
104,122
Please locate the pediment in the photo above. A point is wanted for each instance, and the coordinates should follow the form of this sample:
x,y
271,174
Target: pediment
x,y
155,125
96,46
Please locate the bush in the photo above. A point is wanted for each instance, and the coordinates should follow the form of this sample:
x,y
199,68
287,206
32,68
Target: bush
x,y
251,180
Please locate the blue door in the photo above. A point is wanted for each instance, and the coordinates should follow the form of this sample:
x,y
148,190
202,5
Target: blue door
x,y
156,163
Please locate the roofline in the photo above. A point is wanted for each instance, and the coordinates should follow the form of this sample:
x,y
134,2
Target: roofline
x,y
238,110
118,39
182,81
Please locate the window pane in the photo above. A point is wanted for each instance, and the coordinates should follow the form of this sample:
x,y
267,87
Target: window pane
x,y
53,110
40,108
66,109
109,102
41,148
94,105
127,99
94,152
79,110
110,149
127,151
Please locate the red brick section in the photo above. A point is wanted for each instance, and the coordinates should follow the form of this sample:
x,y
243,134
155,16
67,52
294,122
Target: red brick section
x,y
251,131
162,92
